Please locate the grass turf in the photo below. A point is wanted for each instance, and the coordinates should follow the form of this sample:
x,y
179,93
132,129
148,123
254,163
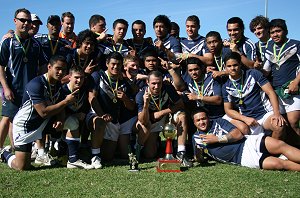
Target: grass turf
x,y
214,180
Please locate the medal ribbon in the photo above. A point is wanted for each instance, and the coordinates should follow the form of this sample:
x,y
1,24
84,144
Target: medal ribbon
x,y
277,57
158,106
79,62
49,85
53,50
240,91
220,67
120,48
260,48
202,87
27,47
110,85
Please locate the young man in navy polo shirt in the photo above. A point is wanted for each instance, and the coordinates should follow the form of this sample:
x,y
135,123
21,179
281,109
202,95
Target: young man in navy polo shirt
x,y
20,58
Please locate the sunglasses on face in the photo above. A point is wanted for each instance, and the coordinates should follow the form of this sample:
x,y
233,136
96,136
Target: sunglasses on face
x,y
24,20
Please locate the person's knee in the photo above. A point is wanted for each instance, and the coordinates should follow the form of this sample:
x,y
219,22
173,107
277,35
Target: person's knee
x,y
244,129
273,164
99,125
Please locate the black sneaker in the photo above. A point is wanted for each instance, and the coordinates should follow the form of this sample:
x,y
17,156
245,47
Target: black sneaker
x,y
184,160
2,158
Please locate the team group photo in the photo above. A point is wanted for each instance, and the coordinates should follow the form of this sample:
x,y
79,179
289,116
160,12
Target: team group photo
x,y
180,100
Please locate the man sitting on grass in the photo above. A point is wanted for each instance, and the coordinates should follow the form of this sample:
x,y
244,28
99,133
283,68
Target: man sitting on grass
x,y
41,102
223,142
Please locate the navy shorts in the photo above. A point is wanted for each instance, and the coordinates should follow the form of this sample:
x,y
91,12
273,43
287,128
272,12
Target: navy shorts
x,y
9,108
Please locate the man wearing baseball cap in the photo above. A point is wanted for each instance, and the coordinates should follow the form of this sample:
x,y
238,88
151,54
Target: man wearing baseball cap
x,y
35,25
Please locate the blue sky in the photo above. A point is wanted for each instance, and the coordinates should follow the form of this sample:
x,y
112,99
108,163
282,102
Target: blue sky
x,y
213,14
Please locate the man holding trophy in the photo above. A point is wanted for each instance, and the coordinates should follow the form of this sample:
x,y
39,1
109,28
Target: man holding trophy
x,y
155,103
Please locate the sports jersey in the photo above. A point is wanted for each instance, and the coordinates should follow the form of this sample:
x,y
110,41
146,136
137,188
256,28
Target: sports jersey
x,y
261,50
283,61
106,96
170,43
20,68
53,47
219,62
247,47
247,90
141,48
208,87
135,86
195,46
73,58
167,97
71,38
37,91
229,152
108,46
81,104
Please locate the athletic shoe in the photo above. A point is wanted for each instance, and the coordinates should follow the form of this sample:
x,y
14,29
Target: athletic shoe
x,y
79,164
45,160
185,162
7,148
96,162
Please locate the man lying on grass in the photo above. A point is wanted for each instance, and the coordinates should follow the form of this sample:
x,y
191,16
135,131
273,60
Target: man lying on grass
x,y
224,142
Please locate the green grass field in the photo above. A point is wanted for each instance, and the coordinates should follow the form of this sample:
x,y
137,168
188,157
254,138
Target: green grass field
x,y
213,180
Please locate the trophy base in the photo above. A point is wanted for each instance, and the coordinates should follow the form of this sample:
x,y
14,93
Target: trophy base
x,y
133,170
165,165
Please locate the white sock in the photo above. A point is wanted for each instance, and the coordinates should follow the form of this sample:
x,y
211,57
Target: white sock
x,y
95,151
9,161
41,152
181,148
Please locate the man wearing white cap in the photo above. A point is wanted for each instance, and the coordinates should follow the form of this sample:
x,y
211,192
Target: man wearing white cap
x,y
35,25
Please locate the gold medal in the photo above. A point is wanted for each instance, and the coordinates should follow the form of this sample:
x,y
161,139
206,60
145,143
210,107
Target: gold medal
x,y
241,102
115,100
25,59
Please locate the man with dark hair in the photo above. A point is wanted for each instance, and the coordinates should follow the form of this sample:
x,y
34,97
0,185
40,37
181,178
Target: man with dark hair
x,y
108,94
97,25
175,30
41,102
138,43
239,43
20,58
51,43
75,116
282,61
117,42
222,141
84,55
155,104
67,22
215,45
260,27
253,95
167,45
194,44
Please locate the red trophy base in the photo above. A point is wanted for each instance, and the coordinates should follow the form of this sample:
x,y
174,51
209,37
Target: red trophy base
x,y
168,163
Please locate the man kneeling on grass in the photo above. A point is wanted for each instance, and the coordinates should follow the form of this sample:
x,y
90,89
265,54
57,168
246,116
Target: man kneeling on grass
x,y
42,110
224,142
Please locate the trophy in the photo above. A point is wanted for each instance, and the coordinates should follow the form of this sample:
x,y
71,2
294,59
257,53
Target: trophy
x,y
169,163
133,160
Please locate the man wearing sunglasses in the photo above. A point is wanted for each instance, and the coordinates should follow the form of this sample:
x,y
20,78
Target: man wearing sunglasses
x,y
20,57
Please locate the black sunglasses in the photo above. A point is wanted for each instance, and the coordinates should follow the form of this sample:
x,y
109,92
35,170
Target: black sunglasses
x,y
24,20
